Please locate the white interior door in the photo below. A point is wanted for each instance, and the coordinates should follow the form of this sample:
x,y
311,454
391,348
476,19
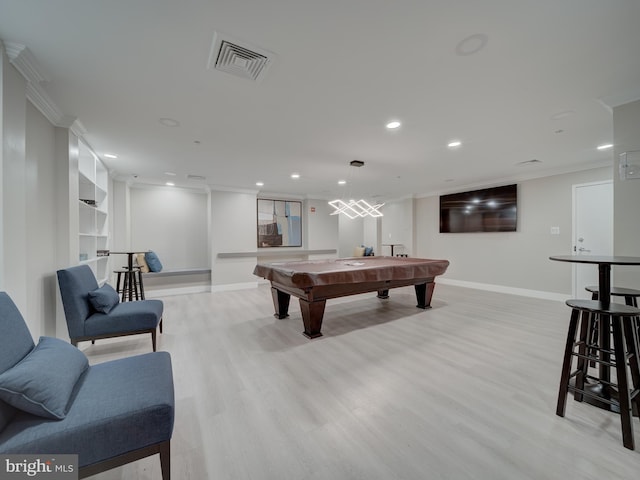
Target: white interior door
x,y
592,230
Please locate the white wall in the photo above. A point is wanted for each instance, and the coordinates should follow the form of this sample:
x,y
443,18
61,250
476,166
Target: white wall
x,y
372,234
3,114
626,195
13,277
513,260
173,223
320,226
41,218
351,235
220,221
398,227
120,220
233,217
29,208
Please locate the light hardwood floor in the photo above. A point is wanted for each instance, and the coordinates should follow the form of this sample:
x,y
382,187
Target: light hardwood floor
x,y
465,390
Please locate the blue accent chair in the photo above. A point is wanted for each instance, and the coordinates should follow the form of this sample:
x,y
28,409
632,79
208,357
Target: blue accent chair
x,y
110,414
84,322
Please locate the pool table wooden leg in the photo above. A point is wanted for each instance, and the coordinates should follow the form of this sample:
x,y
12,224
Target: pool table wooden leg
x,y
312,313
280,303
424,292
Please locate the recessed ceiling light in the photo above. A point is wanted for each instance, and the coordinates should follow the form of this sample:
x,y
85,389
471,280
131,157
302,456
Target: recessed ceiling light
x,y
472,44
171,174
191,176
456,143
169,122
605,146
295,175
393,125
170,184
260,184
563,114
110,155
342,182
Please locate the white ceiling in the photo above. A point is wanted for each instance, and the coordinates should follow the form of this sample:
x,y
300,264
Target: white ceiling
x,y
541,88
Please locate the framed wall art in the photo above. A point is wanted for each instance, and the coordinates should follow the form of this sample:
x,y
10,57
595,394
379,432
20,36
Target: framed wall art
x,y
279,223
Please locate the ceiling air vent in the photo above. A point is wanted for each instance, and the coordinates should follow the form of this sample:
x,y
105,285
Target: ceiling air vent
x,y
196,177
238,58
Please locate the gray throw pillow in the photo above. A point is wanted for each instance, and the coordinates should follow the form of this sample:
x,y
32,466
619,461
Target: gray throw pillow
x,y
43,381
103,299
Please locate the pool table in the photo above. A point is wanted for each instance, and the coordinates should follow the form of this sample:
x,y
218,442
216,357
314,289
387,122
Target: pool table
x,y
315,281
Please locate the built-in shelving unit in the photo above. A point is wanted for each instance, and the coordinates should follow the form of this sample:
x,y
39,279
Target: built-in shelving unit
x,y
93,231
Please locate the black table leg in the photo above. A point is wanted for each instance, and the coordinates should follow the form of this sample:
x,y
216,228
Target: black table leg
x,y
280,303
424,292
604,283
130,274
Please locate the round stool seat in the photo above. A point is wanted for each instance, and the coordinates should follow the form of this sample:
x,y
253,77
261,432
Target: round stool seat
x,y
596,306
616,291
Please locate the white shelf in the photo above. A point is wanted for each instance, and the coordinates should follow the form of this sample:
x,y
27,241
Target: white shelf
x,y
93,180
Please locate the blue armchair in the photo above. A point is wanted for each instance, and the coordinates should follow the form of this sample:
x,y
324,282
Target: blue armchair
x,y
79,291
53,402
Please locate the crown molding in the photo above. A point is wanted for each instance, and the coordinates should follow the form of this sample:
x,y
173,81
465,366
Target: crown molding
x,y
24,61
26,64
78,128
222,188
518,178
266,195
37,96
621,98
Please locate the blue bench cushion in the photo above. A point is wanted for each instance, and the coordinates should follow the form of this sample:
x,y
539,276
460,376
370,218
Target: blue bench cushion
x,y
42,382
103,299
119,406
126,316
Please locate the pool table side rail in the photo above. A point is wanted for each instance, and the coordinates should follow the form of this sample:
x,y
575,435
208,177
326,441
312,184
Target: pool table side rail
x,y
291,275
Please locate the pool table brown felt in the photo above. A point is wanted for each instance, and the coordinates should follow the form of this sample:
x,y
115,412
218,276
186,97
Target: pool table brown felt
x,y
315,281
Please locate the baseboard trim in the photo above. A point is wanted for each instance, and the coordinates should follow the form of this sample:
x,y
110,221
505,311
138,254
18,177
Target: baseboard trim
x,y
164,292
229,287
523,292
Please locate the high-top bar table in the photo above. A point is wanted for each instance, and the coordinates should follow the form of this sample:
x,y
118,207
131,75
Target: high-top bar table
x,y
604,269
130,272
604,296
392,245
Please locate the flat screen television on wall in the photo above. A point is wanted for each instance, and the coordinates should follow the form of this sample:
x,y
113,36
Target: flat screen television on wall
x,y
486,210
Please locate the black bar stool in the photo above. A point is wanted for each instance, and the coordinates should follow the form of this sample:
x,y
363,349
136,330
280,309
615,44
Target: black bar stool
x,y
126,277
621,319
630,295
630,298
